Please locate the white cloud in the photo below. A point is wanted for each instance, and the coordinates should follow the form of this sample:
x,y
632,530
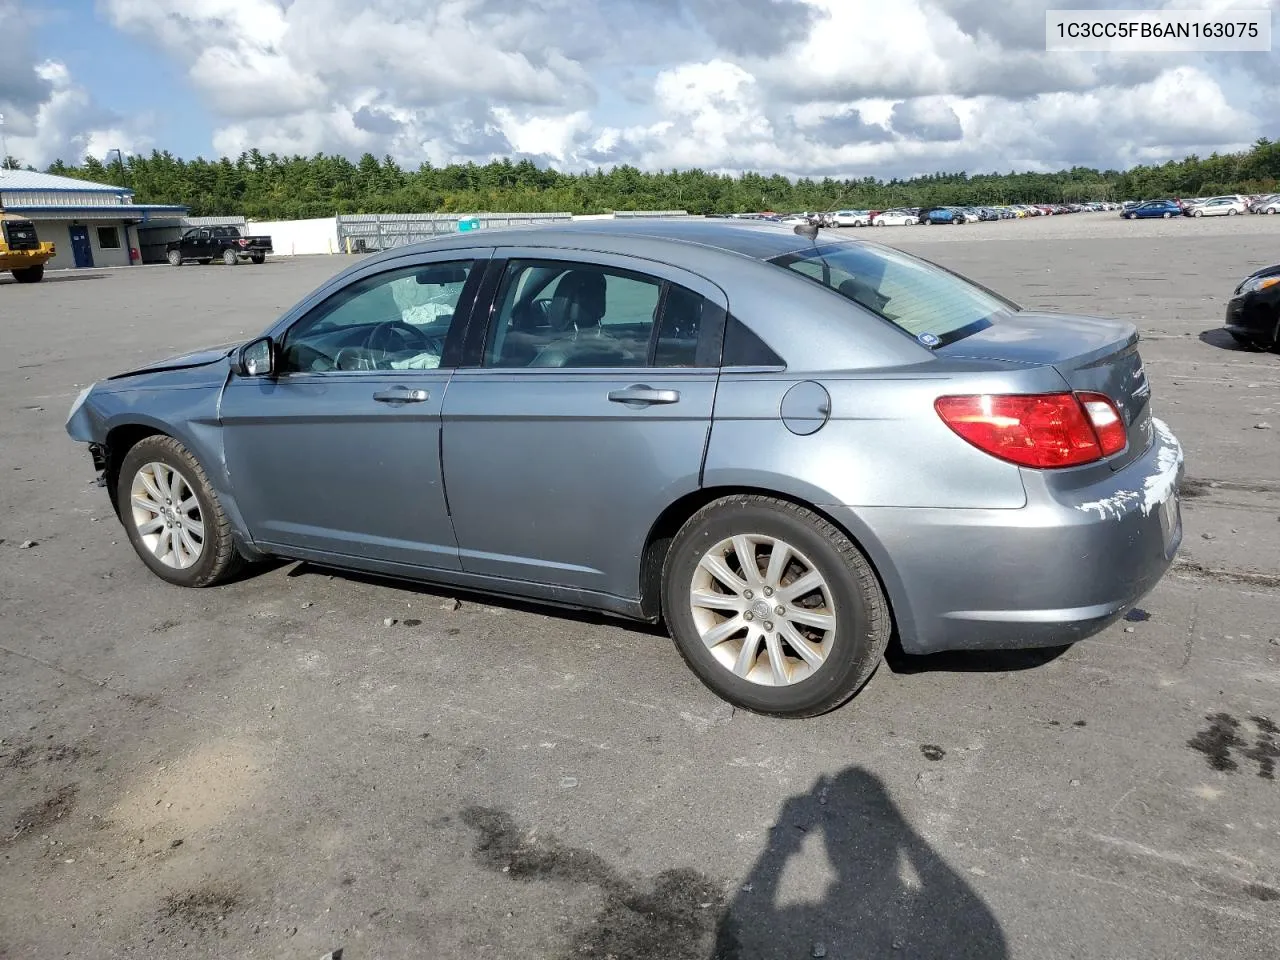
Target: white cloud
x,y
68,125
47,115
841,87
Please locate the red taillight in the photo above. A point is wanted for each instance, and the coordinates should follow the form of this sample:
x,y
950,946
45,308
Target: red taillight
x,y
1106,420
243,242
1037,430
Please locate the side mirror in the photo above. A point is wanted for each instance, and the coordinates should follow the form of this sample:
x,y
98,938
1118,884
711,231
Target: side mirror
x,y
255,359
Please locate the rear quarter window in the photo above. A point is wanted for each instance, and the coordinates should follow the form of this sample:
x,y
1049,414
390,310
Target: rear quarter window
x,y
921,299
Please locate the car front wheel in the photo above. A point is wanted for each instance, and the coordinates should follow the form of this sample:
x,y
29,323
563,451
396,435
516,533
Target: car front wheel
x,y
174,258
172,515
773,607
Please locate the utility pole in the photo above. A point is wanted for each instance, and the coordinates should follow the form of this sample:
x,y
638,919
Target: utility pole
x,y
124,176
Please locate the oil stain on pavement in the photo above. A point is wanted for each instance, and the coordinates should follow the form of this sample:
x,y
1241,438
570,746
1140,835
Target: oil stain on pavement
x,y
888,890
673,915
1221,743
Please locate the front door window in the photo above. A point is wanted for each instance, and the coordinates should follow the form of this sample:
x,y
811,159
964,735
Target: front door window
x,y
397,320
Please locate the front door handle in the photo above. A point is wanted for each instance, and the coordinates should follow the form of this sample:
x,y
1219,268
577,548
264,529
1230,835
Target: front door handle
x,y
401,395
642,393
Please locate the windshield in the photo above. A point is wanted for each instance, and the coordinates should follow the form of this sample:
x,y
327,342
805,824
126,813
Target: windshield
x,y
931,304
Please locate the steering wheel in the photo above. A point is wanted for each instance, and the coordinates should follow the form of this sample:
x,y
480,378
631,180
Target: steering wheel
x,y
381,344
352,358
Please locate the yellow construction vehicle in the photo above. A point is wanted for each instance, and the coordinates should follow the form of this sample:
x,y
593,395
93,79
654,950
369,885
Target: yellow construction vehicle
x,y
21,251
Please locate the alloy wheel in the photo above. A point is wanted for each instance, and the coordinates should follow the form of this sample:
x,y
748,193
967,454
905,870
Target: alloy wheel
x,y
763,609
166,513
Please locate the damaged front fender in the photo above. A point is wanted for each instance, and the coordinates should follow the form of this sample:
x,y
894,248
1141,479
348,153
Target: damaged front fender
x,y
84,423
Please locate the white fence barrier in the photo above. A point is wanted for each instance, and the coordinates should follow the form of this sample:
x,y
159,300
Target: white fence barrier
x,y
298,237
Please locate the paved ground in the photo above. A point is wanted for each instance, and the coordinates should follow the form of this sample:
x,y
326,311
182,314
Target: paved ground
x,y
266,770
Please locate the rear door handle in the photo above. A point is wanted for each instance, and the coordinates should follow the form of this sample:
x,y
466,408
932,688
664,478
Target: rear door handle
x,y
642,393
401,395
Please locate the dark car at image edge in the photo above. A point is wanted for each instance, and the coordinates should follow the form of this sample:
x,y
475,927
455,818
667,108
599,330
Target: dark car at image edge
x,y
1253,313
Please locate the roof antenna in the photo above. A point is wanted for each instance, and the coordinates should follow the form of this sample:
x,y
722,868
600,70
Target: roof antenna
x,y
811,227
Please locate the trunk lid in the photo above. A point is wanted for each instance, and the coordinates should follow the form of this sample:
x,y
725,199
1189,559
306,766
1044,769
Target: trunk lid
x,y
1090,353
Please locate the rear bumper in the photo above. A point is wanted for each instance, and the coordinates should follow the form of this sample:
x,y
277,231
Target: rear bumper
x,y
1051,573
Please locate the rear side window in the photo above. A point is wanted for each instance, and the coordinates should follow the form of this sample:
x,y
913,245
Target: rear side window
x,y
931,304
563,314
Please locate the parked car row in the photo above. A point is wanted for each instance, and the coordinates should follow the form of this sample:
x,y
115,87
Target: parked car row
x,y
1227,205
911,216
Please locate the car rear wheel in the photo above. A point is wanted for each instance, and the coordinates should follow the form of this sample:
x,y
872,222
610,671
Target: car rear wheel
x,y
259,258
1231,212
174,258
1197,213
1166,215
29,274
229,258
773,607
172,515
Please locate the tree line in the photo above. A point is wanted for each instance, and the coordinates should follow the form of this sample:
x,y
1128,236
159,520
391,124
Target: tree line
x,y
271,187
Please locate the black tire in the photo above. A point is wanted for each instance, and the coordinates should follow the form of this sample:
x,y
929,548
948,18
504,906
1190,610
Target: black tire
x,y
863,620
259,258
1166,215
229,257
29,274
174,258
219,559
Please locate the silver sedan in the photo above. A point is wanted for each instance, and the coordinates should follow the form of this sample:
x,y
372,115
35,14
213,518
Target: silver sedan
x,y
788,445
1218,207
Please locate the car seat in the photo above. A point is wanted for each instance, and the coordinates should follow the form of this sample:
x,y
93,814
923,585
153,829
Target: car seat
x,y
574,315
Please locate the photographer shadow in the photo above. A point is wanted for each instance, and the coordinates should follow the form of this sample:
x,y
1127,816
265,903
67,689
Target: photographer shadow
x,y
843,875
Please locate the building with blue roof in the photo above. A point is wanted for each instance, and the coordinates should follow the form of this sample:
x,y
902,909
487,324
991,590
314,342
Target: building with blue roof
x,y
91,224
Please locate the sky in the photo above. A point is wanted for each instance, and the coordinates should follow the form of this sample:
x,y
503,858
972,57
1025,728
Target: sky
x,y
844,88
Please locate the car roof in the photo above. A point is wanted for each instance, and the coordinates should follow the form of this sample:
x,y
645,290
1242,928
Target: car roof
x,y
759,240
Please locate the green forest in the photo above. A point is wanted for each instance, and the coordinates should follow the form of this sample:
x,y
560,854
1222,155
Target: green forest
x,y
268,187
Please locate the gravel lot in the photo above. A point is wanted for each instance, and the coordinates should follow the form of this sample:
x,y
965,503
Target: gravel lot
x,y
265,769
